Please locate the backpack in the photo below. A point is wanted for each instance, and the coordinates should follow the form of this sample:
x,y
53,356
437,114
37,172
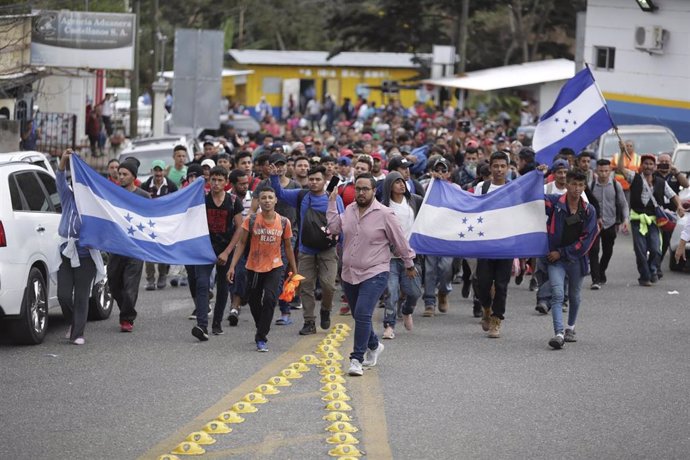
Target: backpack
x,y
619,208
312,232
252,220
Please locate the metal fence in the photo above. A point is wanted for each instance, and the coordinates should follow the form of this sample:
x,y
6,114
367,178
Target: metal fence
x,y
57,132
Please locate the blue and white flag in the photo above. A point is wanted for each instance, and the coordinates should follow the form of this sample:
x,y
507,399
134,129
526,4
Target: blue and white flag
x,y
171,229
507,223
577,118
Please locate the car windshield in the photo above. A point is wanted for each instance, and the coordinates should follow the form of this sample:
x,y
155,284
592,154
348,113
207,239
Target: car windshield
x,y
146,159
655,143
682,160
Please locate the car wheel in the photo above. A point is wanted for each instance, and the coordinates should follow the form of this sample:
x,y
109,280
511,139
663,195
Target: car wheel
x,y
101,301
31,327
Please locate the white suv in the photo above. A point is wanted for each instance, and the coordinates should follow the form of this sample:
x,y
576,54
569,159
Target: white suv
x,y
29,251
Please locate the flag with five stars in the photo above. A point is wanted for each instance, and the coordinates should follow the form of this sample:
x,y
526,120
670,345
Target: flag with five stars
x,y
577,118
171,229
507,223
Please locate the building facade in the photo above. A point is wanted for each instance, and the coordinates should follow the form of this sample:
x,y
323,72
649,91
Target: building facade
x,y
641,60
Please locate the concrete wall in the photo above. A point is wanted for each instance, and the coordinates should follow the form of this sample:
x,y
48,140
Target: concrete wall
x,y
66,94
643,87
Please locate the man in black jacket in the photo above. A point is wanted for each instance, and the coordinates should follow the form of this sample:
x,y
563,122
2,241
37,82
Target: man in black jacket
x,y
157,186
406,206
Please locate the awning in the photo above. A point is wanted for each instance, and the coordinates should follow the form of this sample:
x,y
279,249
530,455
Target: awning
x,y
510,76
169,74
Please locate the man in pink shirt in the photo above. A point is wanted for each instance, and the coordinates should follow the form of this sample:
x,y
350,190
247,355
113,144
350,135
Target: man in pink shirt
x,y
369,230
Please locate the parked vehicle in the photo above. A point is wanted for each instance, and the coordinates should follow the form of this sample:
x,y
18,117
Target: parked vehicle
x,y
29,251
681,158
148,149
654,139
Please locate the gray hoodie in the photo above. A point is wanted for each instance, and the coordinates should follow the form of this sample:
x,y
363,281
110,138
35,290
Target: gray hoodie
x,y
415,201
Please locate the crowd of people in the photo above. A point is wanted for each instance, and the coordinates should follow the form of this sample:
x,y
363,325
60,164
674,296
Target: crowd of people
x,y
336,202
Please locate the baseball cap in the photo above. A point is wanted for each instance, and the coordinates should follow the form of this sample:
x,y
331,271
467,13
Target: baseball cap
x,y
344,161
558,164
441,162
377,156
208,162
346,153
471,144
194,169
398,162
277,158
158,164
647,156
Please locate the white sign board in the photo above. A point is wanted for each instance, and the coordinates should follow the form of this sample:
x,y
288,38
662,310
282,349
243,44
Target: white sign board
x,y
83,40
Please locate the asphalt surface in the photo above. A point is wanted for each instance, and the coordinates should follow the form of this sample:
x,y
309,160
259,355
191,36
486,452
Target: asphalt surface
x,y
442,391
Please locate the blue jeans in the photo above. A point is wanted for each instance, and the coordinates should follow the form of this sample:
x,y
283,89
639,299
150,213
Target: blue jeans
x,y
438,272
561,272
411,288
544,289
202,275
363,298
647,266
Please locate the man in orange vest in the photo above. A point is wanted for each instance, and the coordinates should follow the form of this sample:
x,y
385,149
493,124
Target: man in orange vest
x,y
631,161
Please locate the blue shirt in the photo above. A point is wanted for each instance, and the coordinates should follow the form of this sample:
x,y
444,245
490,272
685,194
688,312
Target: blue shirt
x,y
70,221
316,202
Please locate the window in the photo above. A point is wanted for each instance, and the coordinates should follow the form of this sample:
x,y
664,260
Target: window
x,y
34,196
15,195
604,57
271,85
50,187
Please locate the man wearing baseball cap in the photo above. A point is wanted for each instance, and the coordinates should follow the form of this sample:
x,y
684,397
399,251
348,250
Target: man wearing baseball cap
x,y
647,193
403,165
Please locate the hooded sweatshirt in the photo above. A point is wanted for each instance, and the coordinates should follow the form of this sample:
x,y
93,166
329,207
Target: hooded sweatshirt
x,y
412,200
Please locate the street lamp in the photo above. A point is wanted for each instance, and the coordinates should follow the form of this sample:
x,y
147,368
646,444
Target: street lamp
x,y
647,6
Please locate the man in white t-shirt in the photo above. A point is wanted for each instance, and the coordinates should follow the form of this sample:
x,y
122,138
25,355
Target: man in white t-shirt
x,y
405,206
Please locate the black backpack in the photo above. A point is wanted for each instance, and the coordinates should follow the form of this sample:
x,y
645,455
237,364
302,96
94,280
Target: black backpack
x,y
312,232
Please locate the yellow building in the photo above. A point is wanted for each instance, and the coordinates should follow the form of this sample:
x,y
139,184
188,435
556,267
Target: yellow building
x,y
278,75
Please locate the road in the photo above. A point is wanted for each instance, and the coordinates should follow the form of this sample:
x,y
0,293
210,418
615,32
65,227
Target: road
x,y
442,391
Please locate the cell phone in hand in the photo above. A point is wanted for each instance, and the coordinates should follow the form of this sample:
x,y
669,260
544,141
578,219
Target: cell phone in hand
x,y
332,184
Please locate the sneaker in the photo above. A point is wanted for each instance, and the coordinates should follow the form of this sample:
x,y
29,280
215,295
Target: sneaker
x,y
595,287
542,308
570,335
308,328
602,279
174,282
645,283
295,305
371,357
344,310
162,282
443,302
200,333
533,284
520,277
389,333
325,319
217,330
192,315
486,319
284,320
261,346
234,317
150,286
79,341
355,369
126,326
494,328
428,311
408,322
557,342
68,335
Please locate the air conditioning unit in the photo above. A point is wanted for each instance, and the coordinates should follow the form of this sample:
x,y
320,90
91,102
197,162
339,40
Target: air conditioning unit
x,y
7,109
650,39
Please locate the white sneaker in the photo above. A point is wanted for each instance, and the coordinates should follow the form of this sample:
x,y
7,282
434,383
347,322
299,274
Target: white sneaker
x,y
79,341
389,333
371,357
355,368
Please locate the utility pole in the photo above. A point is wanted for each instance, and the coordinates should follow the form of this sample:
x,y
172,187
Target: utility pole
x,y
134,79
462,41
240,38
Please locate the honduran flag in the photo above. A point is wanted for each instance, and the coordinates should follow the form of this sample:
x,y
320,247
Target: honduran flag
x,y
507,223
578,117
171,229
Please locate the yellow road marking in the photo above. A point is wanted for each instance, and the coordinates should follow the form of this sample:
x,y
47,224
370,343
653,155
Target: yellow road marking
x,y
269,445
367,398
